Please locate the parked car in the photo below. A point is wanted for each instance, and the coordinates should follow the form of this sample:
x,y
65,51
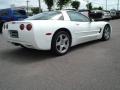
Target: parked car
x,y
56,31
106,15
118,14
100,15
11,15
113,13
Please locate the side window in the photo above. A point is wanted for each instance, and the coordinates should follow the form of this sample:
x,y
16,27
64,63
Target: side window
x,y
19,12
76,16
4,13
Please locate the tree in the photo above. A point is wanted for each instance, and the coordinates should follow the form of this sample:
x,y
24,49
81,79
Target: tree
x,y
89,6
98,8
35,10
49,4
75,4
61,3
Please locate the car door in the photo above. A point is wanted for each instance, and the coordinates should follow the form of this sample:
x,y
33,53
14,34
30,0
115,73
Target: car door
x,y
95,28
82,26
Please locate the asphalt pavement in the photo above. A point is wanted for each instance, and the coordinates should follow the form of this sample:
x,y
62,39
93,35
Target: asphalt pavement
x,y
90,66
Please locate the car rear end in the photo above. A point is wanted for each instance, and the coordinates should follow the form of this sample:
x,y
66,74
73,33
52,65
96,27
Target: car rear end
x,y
19,33
34,32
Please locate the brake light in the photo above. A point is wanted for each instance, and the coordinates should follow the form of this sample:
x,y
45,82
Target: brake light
x,y
22,26
29,27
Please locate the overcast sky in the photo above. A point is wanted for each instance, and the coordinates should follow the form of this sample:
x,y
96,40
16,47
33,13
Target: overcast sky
x,y
6,3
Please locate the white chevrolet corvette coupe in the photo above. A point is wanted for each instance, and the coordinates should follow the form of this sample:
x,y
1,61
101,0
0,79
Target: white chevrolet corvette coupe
x,y
56,31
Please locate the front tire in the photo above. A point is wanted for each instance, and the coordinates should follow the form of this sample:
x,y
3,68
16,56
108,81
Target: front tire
x,y
61,43
106,33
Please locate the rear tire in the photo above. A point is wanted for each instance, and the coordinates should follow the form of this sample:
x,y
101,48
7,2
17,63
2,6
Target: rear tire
x,y
60,43
106,33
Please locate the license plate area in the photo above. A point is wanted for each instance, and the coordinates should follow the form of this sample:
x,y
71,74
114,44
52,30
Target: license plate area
x,y
13,34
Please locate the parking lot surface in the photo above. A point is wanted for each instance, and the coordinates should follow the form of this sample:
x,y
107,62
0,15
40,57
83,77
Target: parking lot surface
x,y
90,66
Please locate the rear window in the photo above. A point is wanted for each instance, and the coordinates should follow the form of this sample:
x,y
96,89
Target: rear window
x,y
19,12
45,15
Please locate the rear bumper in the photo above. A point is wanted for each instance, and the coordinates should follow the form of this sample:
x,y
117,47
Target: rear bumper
x,y
21,43
13,34
36,38
32,40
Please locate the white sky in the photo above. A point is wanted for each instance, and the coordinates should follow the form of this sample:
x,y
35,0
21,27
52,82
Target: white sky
x,y
6,3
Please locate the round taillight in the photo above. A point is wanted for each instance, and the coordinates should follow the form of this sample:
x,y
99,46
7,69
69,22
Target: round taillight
x,y
29,27
22,26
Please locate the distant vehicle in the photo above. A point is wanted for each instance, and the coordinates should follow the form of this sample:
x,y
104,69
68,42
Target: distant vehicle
x,y
10,14
113,13
106,15
56,31
117,14
101,15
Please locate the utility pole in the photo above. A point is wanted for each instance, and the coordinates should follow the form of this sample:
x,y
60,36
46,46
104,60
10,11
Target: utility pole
x,y
118,5
39,6
106,4
27,6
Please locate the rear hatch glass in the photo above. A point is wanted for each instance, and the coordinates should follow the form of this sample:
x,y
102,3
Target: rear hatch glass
x,y
44,15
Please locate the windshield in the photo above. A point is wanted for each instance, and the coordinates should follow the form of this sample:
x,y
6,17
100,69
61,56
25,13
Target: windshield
x,y
44,15
19,12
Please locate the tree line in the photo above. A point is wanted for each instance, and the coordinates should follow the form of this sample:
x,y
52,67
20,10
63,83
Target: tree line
x,y
61,3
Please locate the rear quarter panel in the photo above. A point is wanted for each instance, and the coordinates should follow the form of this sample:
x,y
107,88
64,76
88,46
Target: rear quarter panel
x,y
50,26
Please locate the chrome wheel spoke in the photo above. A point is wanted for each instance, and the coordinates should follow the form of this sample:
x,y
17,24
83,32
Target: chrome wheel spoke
x,y
61,48
61,37
66,46
58,43
65,39
107,33
62,43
